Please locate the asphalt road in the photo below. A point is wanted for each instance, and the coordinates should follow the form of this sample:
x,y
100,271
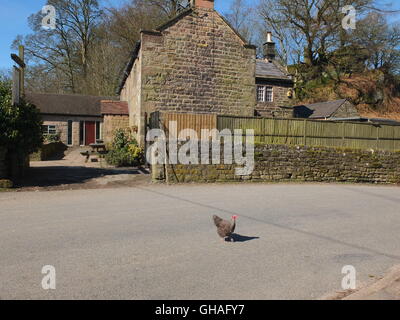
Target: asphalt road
x,y
158,242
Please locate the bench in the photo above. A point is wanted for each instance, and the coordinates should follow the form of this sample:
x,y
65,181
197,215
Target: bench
x,y
100,154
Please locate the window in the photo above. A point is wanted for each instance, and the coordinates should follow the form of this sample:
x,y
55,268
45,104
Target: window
x,y
69,142
49,129
265,94
81,133
261,93
98,130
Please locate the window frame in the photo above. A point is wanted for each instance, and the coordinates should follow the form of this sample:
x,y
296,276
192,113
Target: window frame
x,y
46,129
265,89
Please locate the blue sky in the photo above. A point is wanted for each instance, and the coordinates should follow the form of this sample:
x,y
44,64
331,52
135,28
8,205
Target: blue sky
x,y
14,14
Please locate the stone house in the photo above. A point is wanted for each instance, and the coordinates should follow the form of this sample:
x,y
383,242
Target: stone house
x,y
79,120
274,85
198,63
330,110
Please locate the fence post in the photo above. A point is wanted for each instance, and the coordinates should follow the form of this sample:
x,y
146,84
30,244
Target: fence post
x,y
305,132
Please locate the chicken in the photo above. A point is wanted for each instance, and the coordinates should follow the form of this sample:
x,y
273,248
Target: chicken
x,y
225,228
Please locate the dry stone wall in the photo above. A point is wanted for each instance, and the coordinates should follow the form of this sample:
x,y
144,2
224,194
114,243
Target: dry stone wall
x,y
298,164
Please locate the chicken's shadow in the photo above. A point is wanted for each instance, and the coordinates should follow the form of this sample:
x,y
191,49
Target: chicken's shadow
x,y
239,238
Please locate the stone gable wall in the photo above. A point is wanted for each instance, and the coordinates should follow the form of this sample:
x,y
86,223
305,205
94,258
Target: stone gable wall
x,y
198,65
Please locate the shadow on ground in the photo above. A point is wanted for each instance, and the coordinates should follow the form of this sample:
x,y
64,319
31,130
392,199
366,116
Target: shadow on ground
x,y
239,238
53,176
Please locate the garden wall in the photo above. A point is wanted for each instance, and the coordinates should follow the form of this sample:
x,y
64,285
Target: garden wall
x,y
49,151
111,124
298,164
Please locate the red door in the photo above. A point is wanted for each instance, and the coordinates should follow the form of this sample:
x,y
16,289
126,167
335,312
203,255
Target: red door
x,y
90,132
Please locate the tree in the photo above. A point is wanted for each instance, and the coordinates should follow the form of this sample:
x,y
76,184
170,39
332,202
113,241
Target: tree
x,y
382,42
310,28
65,50
240,16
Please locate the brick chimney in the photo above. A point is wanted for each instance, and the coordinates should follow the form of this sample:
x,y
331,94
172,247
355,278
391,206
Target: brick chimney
x,y
208,4
269,48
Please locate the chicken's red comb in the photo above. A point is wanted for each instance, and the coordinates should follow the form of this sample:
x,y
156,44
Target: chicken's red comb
x,y
234,217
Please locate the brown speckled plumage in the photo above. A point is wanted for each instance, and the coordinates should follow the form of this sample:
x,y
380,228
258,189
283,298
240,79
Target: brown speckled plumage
x,y
224,228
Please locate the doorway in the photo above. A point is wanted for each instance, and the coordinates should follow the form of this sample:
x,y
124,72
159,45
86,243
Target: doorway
x,y
90,132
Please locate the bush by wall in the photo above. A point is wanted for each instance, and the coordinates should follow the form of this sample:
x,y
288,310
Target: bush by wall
x,y
49,151
125,151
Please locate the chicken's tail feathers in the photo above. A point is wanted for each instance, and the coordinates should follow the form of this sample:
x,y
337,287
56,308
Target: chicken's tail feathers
x,y
217,220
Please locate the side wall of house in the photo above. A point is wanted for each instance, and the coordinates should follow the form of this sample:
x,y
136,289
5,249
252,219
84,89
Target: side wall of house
x,y
272,109
347,110
199,64
61,123
132,93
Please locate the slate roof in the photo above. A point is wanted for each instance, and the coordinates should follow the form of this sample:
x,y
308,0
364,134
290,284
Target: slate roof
x,y
270,70
320,110
67,104
110,107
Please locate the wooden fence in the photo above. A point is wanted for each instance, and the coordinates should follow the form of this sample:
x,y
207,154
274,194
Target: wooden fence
x,y
291,131
317,133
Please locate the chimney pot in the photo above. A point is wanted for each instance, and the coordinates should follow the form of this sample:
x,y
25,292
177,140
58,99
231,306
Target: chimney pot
x,y
269,36
269,48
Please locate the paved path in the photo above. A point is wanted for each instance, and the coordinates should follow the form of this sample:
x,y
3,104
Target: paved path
x,y
158,242
72,172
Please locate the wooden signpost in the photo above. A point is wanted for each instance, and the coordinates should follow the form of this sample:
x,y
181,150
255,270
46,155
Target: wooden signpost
x,y
18,76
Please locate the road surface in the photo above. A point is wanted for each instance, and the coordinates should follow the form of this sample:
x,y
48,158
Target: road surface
x,y
158,241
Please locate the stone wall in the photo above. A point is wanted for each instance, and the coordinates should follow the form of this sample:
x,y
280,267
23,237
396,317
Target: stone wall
x,y
49,151
132,93
298,164
197,64
111,124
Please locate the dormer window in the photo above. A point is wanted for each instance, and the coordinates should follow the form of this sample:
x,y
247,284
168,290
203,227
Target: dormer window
x,y
265,94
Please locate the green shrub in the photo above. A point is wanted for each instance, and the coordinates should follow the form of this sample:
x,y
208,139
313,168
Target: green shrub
x,y
20,125
125,151
52,138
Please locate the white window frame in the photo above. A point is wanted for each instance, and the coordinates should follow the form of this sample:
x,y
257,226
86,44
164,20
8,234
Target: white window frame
x,y
265,89
47,130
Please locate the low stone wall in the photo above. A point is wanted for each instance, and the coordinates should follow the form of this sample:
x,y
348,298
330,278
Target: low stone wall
x,y
49,151
3,166
298,164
